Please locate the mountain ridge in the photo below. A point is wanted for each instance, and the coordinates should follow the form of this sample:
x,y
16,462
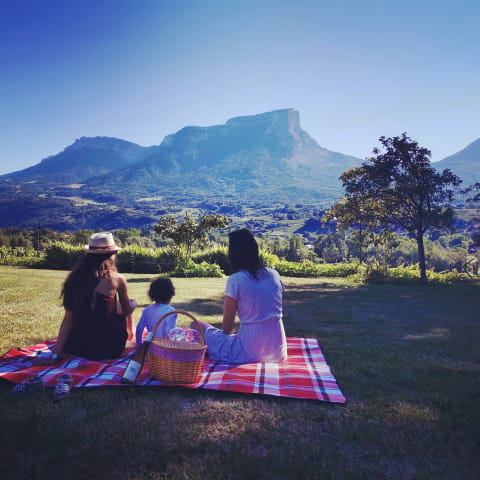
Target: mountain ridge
x,y
265,154
258,159
85,158
465,163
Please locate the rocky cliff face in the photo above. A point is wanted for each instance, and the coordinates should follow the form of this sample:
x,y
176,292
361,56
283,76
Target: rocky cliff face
x,y
197,147
267,155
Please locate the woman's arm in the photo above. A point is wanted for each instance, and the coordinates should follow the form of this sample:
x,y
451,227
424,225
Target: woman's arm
x,y
127,306
229,311
63,333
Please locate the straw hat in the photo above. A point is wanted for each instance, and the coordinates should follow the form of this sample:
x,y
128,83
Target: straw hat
x,y
102,242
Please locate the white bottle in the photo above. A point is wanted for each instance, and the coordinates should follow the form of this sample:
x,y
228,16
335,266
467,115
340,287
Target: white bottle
x,y
135,364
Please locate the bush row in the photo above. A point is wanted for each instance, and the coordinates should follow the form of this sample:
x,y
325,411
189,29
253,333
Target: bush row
x,y
214,263
20,257
310,269
411,275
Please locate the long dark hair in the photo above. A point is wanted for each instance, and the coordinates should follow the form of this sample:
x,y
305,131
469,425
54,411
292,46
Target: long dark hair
x,y
243,252
78,288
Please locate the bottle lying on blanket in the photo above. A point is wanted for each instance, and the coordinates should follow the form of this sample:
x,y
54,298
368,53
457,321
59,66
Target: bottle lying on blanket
x,y
136,362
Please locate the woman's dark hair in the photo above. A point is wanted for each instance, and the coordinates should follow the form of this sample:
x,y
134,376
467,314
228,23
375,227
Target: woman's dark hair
x,y
161,290
243,252
78,288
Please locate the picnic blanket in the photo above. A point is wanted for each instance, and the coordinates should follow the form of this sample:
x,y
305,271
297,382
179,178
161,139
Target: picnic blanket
x,y
305,375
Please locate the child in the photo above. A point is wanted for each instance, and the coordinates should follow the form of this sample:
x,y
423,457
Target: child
x,y
161,292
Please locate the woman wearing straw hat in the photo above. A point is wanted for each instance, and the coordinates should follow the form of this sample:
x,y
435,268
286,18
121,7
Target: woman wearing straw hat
x,y
91,327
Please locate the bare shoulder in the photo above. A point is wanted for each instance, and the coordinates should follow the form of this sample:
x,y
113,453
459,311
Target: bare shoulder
x,y
117,275
118,279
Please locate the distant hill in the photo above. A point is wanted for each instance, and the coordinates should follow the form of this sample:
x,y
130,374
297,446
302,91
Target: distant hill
x,y
465,163
85,158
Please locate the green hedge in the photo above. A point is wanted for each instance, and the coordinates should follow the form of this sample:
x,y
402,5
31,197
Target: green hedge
x,y
214,263
218,256
20,257
137,259
62,256
310,269
192,269
131,259
411,275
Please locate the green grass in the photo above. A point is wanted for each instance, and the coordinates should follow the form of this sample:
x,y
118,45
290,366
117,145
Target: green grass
x,y
407,358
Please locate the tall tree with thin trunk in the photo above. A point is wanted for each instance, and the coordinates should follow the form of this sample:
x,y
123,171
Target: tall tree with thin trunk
x,y
189,231
396,189
474,201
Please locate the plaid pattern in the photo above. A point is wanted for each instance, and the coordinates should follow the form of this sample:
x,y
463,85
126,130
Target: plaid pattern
x,y
305,374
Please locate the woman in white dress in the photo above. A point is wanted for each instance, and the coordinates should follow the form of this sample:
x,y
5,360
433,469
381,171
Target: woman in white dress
x,y
254,293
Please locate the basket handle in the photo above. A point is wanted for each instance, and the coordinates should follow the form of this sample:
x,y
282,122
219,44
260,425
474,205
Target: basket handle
x,y
183,312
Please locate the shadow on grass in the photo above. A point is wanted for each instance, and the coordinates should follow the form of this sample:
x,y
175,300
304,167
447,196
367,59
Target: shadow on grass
x,y
202,306
141,279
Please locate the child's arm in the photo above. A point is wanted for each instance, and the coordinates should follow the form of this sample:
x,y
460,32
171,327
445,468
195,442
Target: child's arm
x,y
139,329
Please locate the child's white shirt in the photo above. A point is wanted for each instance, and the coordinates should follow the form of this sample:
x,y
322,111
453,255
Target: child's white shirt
x,y
149,318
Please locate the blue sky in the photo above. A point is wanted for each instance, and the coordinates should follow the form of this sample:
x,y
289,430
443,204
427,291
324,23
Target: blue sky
x,y
139,70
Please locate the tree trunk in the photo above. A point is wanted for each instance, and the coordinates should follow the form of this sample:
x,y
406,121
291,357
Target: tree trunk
x,y
361,244
421,258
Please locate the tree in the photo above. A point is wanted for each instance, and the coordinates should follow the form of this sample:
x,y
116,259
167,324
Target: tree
x,y
474,201
125,234
357,214
189,231
475,189
332,247
398,189
475,237
82,237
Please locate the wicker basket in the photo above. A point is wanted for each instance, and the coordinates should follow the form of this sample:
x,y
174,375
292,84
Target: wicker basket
x,y
176,362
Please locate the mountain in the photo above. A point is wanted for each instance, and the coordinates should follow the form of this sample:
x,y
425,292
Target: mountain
x,y
260,156
85,158
465,163
254,161
257,160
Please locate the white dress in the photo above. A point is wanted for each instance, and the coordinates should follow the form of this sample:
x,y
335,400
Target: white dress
x,y
259,307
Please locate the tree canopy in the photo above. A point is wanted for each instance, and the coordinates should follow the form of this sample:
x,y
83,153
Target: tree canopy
x,y
396,189
189,231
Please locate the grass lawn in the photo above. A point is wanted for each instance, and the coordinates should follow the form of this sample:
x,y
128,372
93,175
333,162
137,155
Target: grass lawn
x,y
406,357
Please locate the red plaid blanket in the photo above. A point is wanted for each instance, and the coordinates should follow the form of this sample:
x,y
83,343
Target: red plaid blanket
x,y
304,375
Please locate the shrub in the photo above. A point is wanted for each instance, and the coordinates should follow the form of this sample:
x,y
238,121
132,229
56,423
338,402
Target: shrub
x,y
20,257
169,258
411,275
269,259
218,256
137,259
62,256
310,269
192,269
